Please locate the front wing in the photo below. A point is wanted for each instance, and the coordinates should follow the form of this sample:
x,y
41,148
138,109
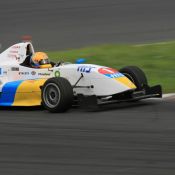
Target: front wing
x,y
129,96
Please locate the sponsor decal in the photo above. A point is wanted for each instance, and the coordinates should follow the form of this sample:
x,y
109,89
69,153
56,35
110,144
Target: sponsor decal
x,y
109,72
24,73
13,51
12,56
33,73
15,69
57,73
44,74
85,69
116,75
16,47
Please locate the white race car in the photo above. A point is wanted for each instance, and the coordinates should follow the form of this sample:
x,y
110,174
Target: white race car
x,y
64,84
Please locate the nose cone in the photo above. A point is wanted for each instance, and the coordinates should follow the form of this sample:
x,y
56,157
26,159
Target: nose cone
x,y
125,81
117,76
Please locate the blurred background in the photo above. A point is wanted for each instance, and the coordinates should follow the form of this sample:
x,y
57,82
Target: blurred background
x,y
64,24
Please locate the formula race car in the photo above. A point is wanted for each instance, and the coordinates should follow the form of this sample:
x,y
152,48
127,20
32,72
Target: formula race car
x,y
62,85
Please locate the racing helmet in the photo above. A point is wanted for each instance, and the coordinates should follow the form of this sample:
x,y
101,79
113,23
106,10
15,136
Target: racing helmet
x,y
40,60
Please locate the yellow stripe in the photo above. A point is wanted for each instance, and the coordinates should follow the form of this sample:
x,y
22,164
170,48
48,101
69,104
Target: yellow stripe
x,y
126,82
29,93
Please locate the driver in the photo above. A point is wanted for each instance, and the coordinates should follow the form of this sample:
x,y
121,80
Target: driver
x,y
40,60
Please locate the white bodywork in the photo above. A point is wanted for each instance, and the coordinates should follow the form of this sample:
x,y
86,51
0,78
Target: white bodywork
x,y
98,83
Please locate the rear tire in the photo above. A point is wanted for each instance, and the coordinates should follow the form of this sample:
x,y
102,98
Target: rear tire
x,y
136,75
57,95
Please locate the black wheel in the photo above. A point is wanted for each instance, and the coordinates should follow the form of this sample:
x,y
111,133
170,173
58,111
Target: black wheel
x,y
57,94
136,75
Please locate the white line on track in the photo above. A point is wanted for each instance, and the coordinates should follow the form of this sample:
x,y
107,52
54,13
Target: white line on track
x,y
153,44
169,97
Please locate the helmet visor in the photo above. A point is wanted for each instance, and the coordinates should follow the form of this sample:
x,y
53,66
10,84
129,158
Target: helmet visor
x,y
44,61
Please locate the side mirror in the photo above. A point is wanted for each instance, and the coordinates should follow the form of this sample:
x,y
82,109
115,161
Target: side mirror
x,y
80,60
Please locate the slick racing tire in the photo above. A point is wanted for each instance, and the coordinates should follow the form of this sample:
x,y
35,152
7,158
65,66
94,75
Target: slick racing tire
x,y
57,95
136,75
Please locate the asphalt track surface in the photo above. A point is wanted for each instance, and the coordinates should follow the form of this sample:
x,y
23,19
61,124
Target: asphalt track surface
x,y
137,138
131,138
63,24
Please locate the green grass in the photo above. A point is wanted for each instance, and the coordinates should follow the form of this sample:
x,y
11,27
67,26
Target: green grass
x,y
157,60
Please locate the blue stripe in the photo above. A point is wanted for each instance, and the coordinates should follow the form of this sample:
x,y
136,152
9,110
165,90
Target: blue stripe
x,y
7,95
115,75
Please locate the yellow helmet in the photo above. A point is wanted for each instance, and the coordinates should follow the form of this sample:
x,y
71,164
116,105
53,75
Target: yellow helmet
x,y
40,60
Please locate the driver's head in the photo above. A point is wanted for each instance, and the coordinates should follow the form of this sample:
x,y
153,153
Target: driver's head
x,y
40,60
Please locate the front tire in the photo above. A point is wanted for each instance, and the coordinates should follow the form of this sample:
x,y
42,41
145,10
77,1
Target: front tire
x,y
136,75
57,94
